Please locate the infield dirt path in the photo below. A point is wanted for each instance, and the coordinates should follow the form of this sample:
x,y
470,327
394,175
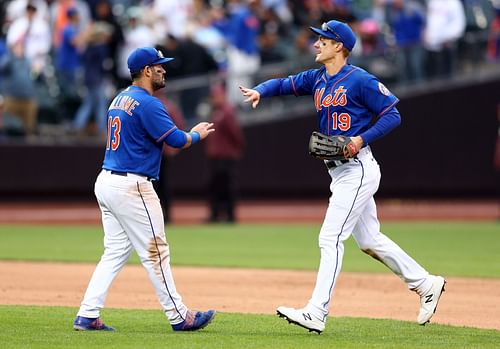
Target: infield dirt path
x,y
466,302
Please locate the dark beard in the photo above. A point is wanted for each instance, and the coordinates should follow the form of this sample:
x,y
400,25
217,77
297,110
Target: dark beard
x,y
158,85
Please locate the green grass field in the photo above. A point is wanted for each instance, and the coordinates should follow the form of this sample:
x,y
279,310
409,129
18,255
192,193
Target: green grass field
x,y
454,249
50,328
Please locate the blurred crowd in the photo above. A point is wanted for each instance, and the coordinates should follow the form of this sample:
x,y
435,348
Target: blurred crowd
x,y
62,60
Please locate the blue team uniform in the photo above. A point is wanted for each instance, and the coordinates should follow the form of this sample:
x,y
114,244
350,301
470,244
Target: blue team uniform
x,y
138,125
350,103
132,219
346,103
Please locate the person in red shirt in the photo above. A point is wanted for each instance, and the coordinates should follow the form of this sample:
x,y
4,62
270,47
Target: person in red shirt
x,y
163,186
223,150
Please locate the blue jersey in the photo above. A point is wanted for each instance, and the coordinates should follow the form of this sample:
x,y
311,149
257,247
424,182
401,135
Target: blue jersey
x,y
138,125
346,103
68,57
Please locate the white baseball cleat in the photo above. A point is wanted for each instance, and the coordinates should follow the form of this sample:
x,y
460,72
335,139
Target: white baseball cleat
x,y
303,318
429,300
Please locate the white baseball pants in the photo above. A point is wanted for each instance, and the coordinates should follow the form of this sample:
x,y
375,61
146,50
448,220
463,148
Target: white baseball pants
x,y
132,219
352,210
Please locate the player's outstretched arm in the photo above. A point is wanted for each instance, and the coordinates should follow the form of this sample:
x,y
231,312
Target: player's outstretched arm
x,y
253,96
201,130
204,129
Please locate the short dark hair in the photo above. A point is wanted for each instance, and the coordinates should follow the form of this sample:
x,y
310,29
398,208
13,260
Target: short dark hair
x,y
346,52
138,74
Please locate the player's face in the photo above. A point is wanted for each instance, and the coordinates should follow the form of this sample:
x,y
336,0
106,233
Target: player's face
x,y
326,50
157,77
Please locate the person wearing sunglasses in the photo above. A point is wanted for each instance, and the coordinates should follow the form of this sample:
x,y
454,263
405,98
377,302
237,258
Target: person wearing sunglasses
x,y
353,103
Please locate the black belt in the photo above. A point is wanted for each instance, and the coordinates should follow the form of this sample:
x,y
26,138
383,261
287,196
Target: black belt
x,y
118,173
335,163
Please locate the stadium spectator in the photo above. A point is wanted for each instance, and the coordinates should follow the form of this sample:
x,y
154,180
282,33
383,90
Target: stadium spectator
x,y
3,48
240,26
106,24
444,27
174,14
171,47
19,89
269,50
17,8
371,41
223,152
281,8
58,12
302,49
163,186
205,34
272,33
196,60
407,21
68,63
96,41
191,59
240,35
135,34
33,32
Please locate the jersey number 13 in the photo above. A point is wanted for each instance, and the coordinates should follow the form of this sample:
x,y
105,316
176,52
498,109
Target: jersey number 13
x,y
114,127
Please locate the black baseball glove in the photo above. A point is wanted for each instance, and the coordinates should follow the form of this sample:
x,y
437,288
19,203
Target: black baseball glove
x,y
331,147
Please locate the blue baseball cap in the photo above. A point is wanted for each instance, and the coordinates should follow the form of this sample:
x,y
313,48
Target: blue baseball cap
x,y
144,56
338,31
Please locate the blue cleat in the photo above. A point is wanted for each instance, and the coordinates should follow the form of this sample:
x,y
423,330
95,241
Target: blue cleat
x,y
195,321
88,324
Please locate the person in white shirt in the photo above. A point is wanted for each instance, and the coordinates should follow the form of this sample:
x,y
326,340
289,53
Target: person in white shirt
x,y
17,8
444,27
33,32
136,34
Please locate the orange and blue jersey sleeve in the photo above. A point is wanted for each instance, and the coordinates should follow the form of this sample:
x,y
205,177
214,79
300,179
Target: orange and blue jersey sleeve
x,y
382,103
160,126
300,84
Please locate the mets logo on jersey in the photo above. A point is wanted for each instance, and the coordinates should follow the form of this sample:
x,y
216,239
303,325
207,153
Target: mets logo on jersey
x,y
383,89
339,98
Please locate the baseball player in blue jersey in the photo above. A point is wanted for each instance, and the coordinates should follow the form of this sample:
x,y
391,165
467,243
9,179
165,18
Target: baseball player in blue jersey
x,y
353,103
132,218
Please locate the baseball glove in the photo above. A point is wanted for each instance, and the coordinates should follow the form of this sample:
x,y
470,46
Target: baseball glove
x,y
331,147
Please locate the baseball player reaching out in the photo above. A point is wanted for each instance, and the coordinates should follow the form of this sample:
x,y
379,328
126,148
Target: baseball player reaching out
x,y
132,218
347,100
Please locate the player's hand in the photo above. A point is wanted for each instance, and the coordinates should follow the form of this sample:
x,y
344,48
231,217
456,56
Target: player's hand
x,y
252,96
356,144
204,129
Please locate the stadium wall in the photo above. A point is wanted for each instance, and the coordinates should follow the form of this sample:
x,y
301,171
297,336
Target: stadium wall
x,y
443,148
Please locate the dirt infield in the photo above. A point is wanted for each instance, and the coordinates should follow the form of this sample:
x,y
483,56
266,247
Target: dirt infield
x,y
466,302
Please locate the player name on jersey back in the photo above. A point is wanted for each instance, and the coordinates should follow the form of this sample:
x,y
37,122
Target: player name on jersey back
x,y
125,103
